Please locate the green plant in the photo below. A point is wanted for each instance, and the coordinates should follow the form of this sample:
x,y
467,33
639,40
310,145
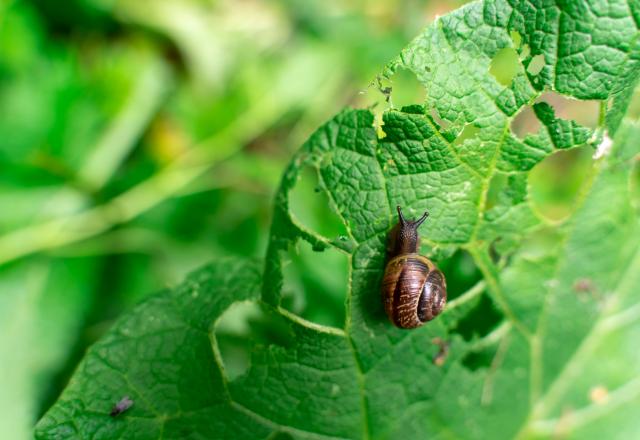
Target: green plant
x,y
558,354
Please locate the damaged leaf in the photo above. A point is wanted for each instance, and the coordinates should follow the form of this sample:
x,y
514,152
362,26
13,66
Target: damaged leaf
x,y
531,374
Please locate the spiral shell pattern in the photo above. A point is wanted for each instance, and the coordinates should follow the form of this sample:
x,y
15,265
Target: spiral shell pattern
x,y
414,290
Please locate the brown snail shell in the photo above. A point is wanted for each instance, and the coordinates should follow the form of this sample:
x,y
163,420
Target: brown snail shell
x,y
414,290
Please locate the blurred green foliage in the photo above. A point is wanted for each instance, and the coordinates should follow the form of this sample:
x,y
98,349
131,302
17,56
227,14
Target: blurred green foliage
x,y
141,139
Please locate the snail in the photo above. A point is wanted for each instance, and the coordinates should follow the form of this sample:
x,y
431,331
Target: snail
x,y
414,290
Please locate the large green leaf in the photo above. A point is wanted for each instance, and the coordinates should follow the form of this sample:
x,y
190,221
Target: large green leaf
x,y
561,358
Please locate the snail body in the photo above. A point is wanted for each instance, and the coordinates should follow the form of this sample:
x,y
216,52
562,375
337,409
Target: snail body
x,y
414,290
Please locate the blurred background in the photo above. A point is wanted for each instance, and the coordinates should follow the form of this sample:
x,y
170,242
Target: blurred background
x,y
140,139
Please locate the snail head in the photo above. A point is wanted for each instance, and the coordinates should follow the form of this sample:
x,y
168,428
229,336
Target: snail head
x,y
406,237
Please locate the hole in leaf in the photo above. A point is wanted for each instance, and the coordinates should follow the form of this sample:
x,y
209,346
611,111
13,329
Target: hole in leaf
x,y
516,38
475,360
406,89
584,112
536,64
555,182
384,87
526,122
316,284
271,328
461,273
480,321
436,117
233,334
468,132
310,206
244,325
633,110
505,65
